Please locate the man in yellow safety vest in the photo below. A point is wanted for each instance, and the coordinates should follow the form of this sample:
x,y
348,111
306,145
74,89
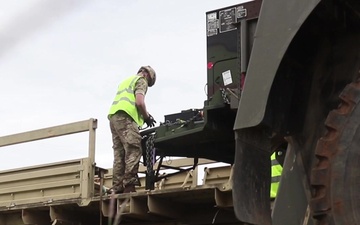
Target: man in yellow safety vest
x,y
276,170
127,113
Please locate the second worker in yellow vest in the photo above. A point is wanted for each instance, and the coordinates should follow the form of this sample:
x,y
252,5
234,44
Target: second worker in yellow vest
x,y
127,113
276,170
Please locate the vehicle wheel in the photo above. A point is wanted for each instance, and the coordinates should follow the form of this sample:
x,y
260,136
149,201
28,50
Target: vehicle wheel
x,y
335,177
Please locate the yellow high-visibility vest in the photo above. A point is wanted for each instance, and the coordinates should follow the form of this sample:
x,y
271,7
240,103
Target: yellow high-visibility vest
x,y
276,170
125,100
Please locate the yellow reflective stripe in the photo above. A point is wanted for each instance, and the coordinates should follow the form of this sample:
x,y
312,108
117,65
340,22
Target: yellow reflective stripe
x,y
128,90
123,99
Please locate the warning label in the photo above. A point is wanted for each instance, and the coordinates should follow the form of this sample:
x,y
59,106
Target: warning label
x,y
227,20
224,20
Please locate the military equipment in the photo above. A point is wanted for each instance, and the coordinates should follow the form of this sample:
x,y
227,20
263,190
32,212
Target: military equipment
x,y
279,73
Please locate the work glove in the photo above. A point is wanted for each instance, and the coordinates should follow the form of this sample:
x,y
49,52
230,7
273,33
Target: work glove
x,y
150,122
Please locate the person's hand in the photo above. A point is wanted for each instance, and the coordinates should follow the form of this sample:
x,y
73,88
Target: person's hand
x,y
150,121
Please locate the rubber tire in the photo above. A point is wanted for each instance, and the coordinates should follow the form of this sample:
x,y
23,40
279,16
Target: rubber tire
x,y
335,177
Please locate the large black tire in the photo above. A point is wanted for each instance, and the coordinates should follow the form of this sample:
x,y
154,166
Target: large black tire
x,y
335,177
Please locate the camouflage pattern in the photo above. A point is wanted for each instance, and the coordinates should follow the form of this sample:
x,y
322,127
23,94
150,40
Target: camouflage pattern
x,y
141,86
127,150
152,74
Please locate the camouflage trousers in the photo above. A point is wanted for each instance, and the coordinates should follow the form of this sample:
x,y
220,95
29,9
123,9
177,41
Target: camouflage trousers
x,y
127,150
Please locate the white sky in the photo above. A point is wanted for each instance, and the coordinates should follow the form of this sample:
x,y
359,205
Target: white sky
x,y
62,60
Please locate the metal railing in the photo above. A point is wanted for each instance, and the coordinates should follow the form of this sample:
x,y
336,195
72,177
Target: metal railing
x,y
71,180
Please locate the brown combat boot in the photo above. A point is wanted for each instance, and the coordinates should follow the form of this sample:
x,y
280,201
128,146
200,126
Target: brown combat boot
x,y
117,188
119,191
115,191
129,188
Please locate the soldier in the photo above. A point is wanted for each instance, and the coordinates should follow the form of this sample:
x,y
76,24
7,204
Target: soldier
x,y
128,113
276,170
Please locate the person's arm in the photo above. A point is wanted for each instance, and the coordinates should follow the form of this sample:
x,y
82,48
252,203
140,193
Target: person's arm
x,y
140,104
140,92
